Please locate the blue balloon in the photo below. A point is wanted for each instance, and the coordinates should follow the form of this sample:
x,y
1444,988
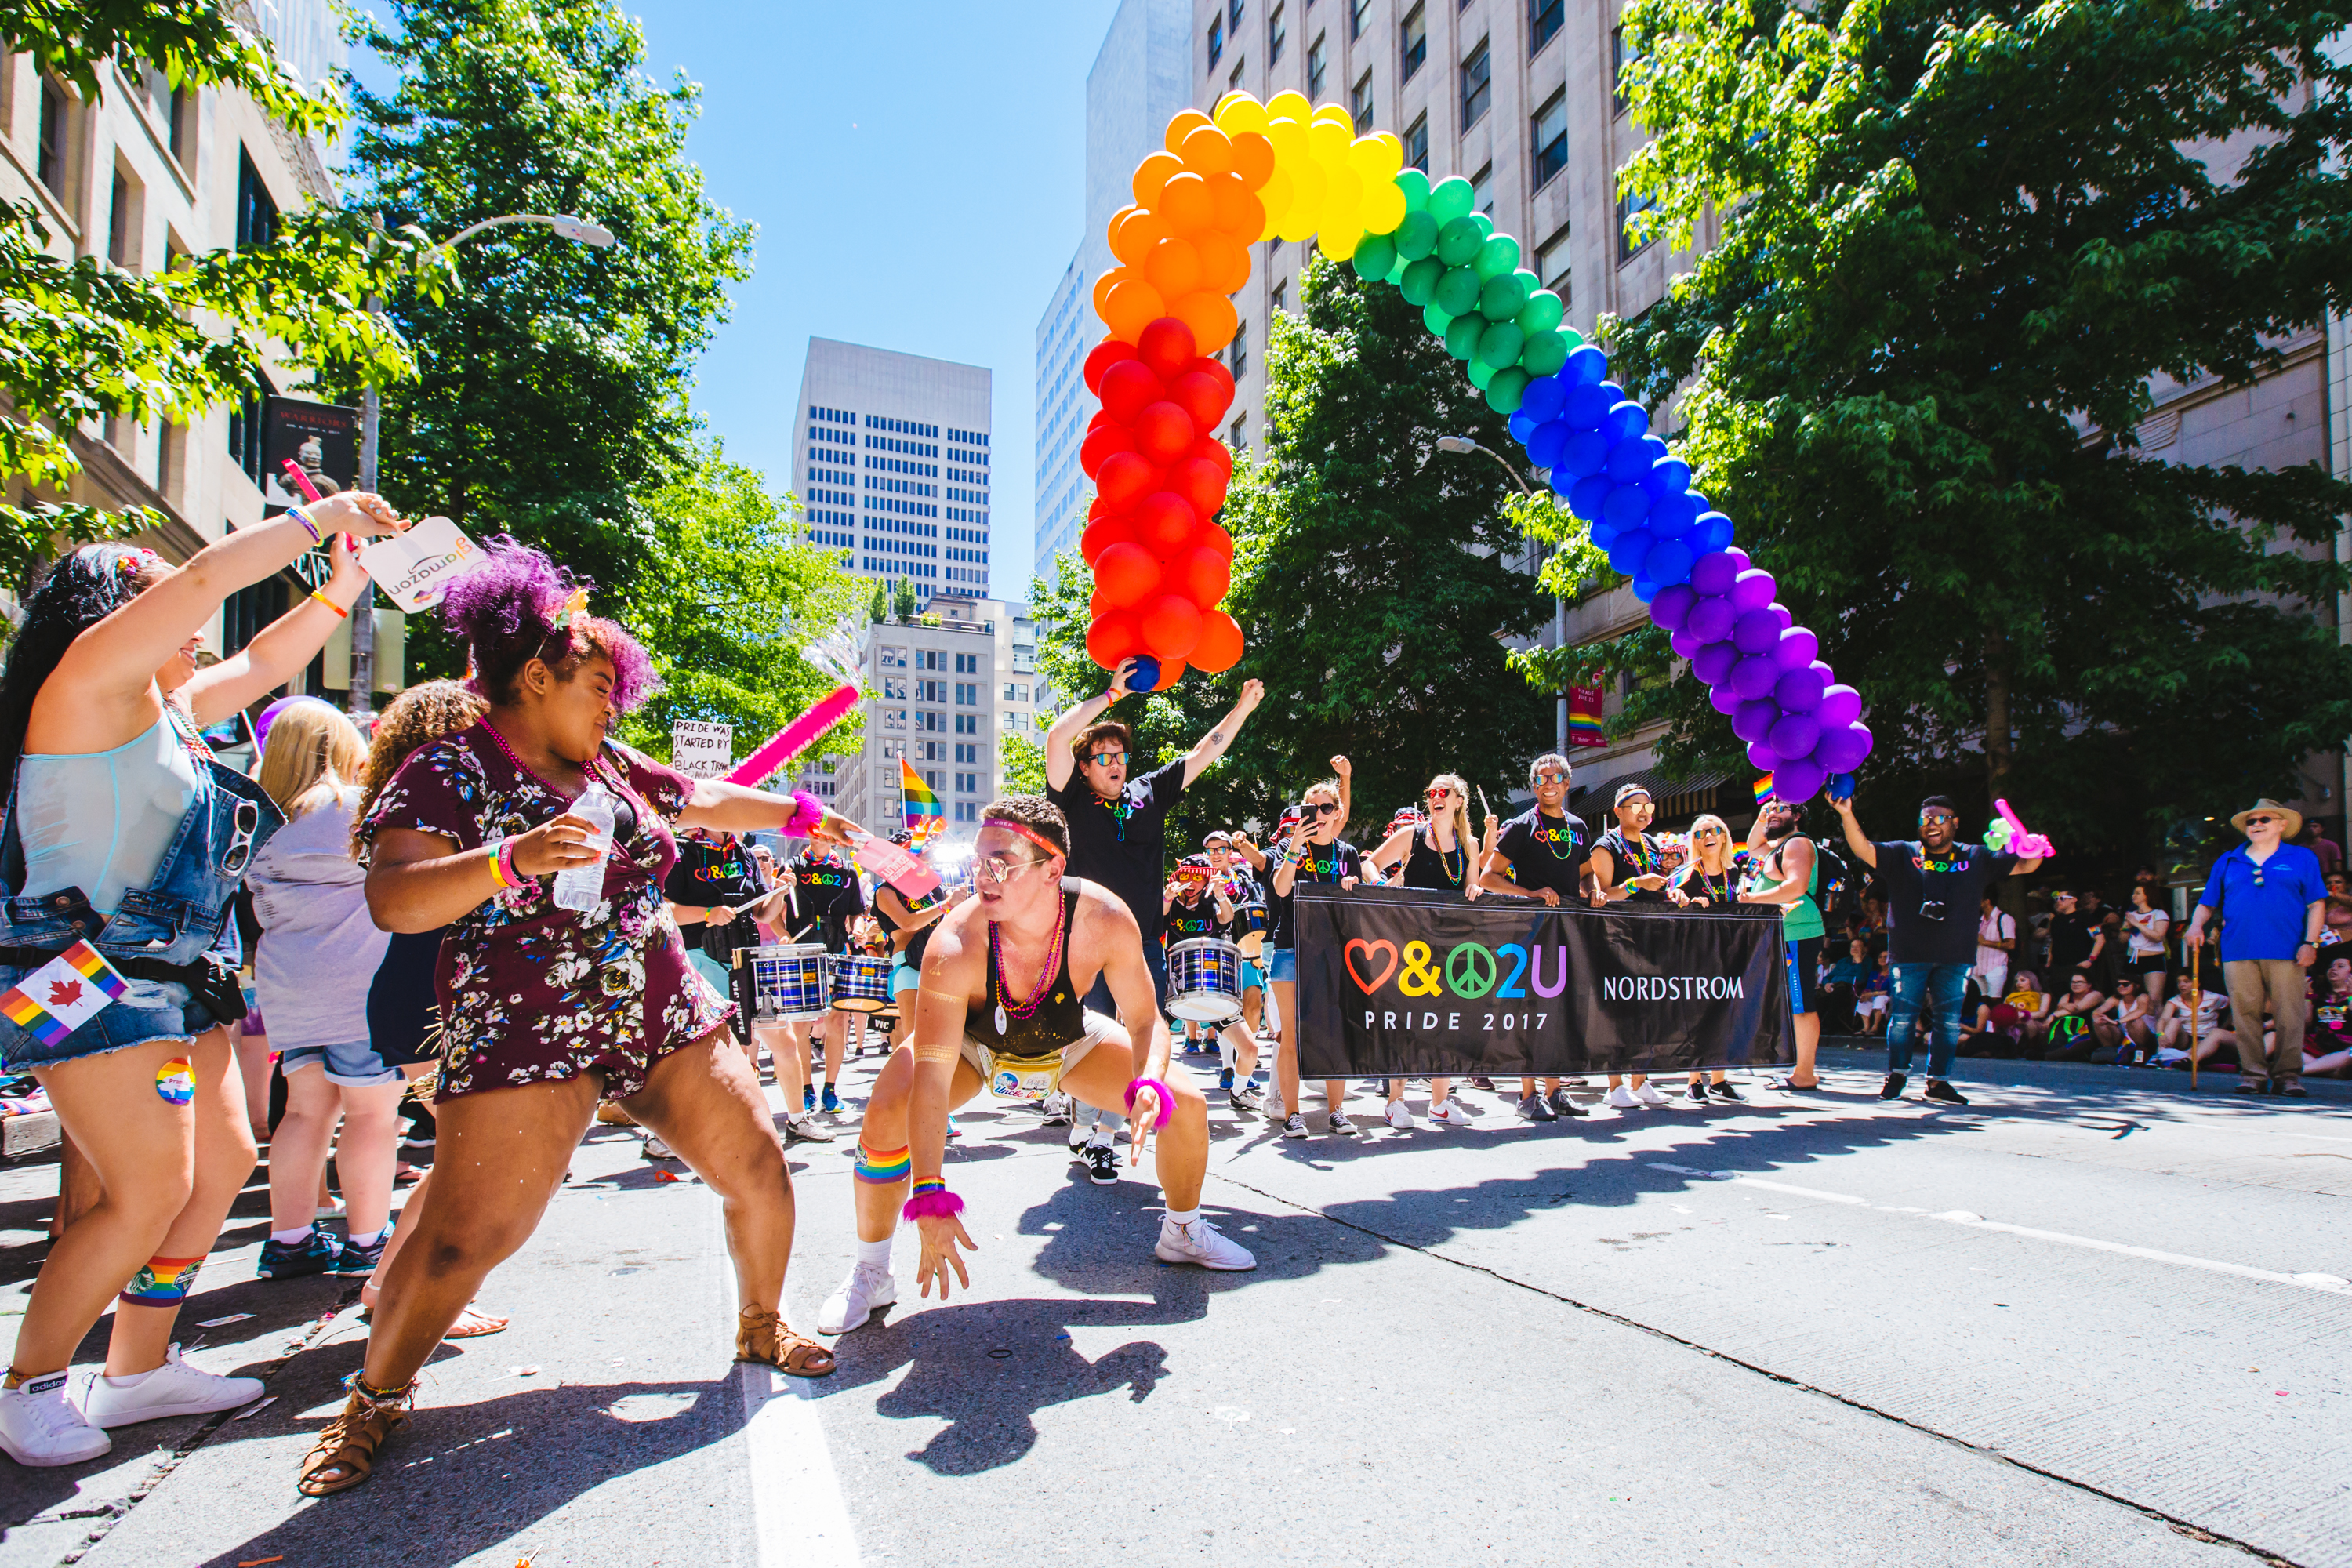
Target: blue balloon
x,y
1603,536
1656,447
1627,555
1628,464
1644,588
1584,498
1145,675
1711,533
1543,397
1586,406
1669,477
1544,442
1625,421
1626,506
1671,516
1670,562
1587,367
1522,427
1584,452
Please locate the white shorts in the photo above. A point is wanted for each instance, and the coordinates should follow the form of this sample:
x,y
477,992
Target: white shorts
x,y
1034,1078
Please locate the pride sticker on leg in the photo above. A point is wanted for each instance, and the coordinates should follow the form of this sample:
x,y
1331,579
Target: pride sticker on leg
x,y
175,1081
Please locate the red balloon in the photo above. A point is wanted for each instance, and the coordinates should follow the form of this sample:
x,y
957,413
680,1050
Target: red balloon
x,y
1209,536
1125,574
1216,368
1210,447
1124,477
1202,397
1171,625
1113,639
1126,388
1101,441
1219,646
1108,352
1164,522
1104,533
1163,431
1171,670
1200,482
1167,347
1201,575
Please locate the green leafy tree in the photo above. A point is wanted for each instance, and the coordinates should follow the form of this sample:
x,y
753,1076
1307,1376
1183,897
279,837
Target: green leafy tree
x,y
551,399
728,602
1024,765
1962,244
81,339
880,609
902,598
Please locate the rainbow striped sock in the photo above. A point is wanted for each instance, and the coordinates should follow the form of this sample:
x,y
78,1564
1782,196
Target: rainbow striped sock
x,y
163,1282
881,1166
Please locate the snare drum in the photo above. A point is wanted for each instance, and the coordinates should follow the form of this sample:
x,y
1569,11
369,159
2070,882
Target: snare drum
x,y
1254,929
861,982
1204,980
788,983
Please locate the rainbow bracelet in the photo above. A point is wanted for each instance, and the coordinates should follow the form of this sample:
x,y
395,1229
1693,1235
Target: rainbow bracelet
x,y
298,515
931,1199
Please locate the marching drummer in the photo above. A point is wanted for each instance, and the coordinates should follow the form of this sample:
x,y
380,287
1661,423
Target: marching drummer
x,y
829,897
1198,908
1230,869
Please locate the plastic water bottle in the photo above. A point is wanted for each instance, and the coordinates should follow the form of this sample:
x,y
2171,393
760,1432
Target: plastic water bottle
x,y
580,887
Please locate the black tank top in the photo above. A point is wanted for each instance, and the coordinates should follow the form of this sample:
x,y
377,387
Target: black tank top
x,y
1635,857
1060,1019
1428,867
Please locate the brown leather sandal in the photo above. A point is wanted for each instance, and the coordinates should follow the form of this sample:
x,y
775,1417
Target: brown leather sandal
x,y
344,1454
763,1336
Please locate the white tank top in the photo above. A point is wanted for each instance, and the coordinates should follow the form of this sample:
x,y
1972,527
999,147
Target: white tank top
x,y
101,821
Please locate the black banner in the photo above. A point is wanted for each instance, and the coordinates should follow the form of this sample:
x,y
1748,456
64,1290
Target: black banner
x,y
1408,983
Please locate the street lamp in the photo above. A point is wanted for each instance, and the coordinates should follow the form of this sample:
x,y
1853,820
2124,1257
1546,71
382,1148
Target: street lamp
x,y
362,697
1559,607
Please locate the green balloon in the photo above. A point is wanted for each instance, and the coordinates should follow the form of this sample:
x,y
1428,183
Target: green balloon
x,y
1503,297
1416,236
1450,198
1481,373
1435,318
1500,344
1485,226
1396,269
1541,313
1420,283
1572,337
1458,243
1457,291
1505,389
1374,255
1498,257
1546,353
1462,337
1415,186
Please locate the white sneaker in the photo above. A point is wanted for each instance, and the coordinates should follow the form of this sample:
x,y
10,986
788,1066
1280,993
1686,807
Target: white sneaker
x,y
39,1426
656,1149
1337,1123
807,1130
1294,1125
1276,1111
176,1388
1453,1113
869,1285
1621,1098
1397,1117
1200,1243
1648,1095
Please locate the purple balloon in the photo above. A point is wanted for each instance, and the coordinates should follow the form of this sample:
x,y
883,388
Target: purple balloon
x,y
1840,706
1669,562
1714,663
1671,608
1712,531
1724,699
1714,572
1762,758
1841,751
1795,735
1799,691
1711,617
1753,678
1796,648
1583,453
1798,781
1754,721
1683,643
1753,589
1758,631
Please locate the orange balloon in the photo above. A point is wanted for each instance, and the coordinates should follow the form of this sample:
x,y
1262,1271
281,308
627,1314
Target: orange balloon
x,y
1133,234
1226,195
1150,176
1184,202
1207,151
1219,646
1103,286
1185,122
1171,670
1113,639
1211,316
1201,575
1171,625
1253,159
1174,268
1224,263
1131,304
1128,574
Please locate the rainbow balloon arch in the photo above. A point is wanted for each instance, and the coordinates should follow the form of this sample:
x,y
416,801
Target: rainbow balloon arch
x,y
1162,563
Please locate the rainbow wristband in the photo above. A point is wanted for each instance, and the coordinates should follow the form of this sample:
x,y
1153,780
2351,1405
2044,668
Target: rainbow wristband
x,y
1167,1100
298,515
932,1200
502,865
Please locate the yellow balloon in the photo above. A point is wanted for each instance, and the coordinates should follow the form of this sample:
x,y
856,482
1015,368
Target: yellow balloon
x,y
1376,157
1384,208
1328,142
1237,112
1342,189
1276,195
1339,244
1294,225
1332,114
1289,139
1289,106
1306,185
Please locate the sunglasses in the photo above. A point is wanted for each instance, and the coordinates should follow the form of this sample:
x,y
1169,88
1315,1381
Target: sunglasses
x,y
1321,808
1928,817
1441,794
1551,778
2260,821
1710,833
245,821
1107,759
999,869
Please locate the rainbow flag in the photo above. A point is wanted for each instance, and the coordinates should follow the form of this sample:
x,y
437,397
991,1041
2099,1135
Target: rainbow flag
x,y
63,994
1584,716
1763,788
923,808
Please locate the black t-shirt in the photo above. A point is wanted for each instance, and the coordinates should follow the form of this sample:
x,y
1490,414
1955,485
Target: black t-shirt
x,y
1956,877
1123,843
1184,921
1318,863
1545,851
2070,944
708,874
828,894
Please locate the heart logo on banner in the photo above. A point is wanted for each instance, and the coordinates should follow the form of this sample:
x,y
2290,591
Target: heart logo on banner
x,y
1347,956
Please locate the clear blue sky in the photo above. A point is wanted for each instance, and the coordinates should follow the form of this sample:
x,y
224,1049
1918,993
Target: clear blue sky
x,y
917,174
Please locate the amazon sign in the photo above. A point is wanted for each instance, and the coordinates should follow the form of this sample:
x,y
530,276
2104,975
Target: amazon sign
x,y
1410,984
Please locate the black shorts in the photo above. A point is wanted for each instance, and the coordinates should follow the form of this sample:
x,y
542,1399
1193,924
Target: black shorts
x,y
1804,975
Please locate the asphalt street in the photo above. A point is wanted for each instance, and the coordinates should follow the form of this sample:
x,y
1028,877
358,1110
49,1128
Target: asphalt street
x,y
2092,1318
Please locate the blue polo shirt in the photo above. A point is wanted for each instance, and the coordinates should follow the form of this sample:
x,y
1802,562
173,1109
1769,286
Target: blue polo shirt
x,y
2264,908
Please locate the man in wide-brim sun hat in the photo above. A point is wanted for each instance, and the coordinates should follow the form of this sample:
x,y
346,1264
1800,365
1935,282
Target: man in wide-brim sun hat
x,y
2270,898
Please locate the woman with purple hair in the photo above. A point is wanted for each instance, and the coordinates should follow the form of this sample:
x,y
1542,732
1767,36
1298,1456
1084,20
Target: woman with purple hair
x,y
545,1011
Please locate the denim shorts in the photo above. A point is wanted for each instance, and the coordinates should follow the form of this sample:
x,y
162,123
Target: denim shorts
x,y
147,1010
1282,966
351,1065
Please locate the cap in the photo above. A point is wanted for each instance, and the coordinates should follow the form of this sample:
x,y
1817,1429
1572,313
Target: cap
x,y
1627,790
1216,835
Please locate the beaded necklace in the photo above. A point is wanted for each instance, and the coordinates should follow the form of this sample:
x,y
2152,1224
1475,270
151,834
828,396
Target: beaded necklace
x,y
1120,809
1713,887
533,773
1445,862
1543,836
1005,990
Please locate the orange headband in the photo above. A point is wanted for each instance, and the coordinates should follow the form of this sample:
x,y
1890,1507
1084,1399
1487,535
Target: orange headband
x,y
1039,839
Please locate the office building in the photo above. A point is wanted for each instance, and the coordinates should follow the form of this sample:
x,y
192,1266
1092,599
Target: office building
x,y
1141,80
945,690
891,464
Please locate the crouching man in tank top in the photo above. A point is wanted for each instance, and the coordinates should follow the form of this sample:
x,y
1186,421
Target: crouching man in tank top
x,y
1000,1009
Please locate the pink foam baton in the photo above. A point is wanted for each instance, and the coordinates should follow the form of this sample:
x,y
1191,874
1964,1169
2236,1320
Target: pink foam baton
x,y
301,480
2023,845
794,738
